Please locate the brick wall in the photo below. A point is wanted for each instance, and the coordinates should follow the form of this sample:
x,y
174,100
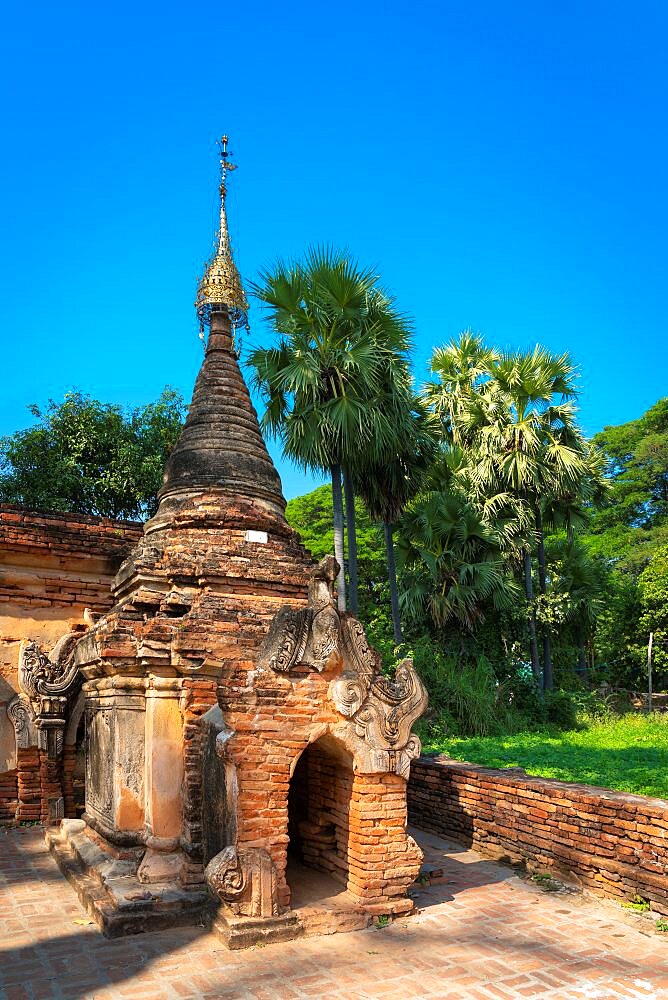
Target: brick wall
x,y
609,842
52,567
59,561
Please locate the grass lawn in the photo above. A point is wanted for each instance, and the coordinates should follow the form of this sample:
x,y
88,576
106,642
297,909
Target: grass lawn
x,y
628,753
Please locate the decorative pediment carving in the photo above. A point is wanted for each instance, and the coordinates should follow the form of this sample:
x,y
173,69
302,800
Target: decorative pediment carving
x,y
386,717
44,675
286,640
309,635
379,710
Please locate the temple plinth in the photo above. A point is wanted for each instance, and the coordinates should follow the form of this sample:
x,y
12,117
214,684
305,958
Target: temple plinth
x,y
239,730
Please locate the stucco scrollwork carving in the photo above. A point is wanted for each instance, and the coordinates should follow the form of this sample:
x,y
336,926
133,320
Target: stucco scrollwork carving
x,y
325,622
48,681
310,635
391,708
245,880
50,676
22,718
285,643
362,664
379,710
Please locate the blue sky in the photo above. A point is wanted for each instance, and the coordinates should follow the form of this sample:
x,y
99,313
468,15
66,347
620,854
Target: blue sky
x,y
502,164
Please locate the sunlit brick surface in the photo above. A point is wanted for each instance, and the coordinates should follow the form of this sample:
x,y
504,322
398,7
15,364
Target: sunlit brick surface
x,y
481,934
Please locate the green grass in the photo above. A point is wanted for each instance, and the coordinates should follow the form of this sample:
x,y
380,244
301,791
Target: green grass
x,y
628,753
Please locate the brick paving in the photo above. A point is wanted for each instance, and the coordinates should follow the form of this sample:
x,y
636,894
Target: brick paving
x,y
482,933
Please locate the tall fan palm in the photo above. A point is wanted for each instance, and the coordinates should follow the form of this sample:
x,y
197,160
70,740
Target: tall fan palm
x,y
528,444
461,368
342,341
454,560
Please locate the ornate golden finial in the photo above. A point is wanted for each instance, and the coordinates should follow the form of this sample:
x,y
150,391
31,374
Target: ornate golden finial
x,y
225,163
220,289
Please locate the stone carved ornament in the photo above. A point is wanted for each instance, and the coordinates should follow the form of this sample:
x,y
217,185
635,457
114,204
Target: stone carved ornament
x,y
310,635
380,711
245,880
21,715
49,681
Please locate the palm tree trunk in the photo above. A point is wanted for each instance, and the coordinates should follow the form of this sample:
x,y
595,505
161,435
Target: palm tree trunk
x,y
548,680
392,575
531,621
351,531
337,503
582,654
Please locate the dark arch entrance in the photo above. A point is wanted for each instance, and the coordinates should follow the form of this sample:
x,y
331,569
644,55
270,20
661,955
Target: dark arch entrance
x,y
319,801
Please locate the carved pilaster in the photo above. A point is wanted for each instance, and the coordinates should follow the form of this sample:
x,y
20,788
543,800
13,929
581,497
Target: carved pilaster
x,y
22,718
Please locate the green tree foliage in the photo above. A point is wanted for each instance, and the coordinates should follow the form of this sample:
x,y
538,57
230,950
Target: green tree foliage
x,y
632,520
653,584
461,575
312,516
91,457
511,419
453,559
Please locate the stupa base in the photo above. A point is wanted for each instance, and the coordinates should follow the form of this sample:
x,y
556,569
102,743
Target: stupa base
x,y
105,880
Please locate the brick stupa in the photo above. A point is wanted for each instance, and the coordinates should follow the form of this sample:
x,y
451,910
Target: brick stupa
x,y
246,759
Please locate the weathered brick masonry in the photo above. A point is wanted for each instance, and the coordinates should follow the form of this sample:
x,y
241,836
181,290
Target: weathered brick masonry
x,y
52,567
609,842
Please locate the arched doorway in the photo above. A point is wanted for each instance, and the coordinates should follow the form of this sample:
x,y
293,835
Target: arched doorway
x,y
319,822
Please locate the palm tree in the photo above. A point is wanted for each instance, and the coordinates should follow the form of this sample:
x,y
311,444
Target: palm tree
x,y
462,368
455,566
387,486
529,445
580,578
342,340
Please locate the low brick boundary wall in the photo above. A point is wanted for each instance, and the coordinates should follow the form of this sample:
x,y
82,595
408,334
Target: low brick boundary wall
x,y
612,843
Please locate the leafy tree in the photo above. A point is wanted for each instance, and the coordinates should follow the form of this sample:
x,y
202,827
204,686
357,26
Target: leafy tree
x,y
312,516
531,447
461,368
578,585
653,583
632,520
342,344
91,457
510,415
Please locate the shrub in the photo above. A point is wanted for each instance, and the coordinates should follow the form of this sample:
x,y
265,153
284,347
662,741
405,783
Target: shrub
x,y
465,696
561,709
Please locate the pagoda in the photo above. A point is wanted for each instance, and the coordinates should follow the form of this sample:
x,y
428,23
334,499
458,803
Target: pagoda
x,y
241,738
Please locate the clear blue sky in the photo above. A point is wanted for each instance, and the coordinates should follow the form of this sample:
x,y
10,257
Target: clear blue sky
x,y
502,164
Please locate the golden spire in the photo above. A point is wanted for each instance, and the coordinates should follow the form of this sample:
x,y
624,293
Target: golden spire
x,y
220,290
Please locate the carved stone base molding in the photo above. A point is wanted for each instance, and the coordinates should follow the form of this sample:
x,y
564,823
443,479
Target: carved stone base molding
x,y
107,882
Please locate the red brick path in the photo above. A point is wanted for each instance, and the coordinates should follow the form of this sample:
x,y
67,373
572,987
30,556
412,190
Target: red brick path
x,y
481,934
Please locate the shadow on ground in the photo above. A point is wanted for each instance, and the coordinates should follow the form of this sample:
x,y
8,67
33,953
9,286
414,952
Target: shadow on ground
x,y
470,924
